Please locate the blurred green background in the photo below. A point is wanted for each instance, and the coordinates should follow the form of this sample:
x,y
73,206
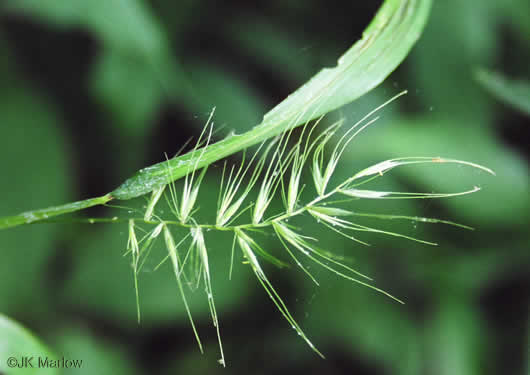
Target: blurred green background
x,y
93,90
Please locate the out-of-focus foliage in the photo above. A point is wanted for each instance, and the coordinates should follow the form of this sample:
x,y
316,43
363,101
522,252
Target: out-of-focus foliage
x,y
91,91
41,173
18,347
513,92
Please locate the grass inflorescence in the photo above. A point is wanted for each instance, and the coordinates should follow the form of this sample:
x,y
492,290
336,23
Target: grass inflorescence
x,y
275,172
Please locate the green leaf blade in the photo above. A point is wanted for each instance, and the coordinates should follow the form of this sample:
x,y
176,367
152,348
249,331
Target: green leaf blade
x,y
46,213
385,43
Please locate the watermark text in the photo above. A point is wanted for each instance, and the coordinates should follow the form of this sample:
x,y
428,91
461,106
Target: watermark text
x,y
43,362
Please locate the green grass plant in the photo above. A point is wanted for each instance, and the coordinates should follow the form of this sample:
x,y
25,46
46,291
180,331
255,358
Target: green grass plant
x,y
276,171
